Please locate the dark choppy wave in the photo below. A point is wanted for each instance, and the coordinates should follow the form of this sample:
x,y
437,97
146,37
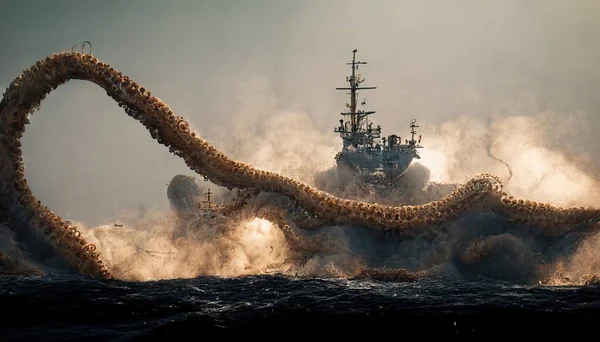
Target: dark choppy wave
x,y
77,308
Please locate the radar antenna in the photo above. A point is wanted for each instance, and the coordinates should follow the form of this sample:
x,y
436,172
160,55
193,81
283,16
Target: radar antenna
x,y
413,125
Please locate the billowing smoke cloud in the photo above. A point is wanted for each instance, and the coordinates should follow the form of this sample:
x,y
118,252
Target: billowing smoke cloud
x,y
542,168
272,138
159,246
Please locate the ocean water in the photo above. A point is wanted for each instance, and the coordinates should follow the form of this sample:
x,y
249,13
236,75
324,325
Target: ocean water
x,y
76,308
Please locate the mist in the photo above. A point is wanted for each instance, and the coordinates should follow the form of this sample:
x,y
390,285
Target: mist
x,y
257,80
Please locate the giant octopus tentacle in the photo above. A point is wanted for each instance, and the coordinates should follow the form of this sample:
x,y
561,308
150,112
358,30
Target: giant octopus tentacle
x,y
25,93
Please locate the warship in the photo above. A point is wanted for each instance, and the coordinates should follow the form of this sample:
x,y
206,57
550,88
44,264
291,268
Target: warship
x,y
375,160
208,209
183,193
371,158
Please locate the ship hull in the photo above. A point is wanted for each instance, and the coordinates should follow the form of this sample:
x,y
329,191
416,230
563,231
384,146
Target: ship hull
x,y
376,167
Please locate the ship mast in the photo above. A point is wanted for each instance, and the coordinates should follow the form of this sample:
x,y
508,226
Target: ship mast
x,y
413,132
355,116
208,201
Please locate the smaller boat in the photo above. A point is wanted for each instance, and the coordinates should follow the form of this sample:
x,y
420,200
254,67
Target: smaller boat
x,y
184,197
208,209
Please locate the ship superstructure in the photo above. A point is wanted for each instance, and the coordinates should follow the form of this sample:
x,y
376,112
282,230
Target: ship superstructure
x,y
208,209
373,158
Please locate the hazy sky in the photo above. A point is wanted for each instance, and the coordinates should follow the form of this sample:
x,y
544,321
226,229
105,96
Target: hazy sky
x,y
218,62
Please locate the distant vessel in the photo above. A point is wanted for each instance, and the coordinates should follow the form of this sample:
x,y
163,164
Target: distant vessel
x,y
183,194
375,161
208,209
